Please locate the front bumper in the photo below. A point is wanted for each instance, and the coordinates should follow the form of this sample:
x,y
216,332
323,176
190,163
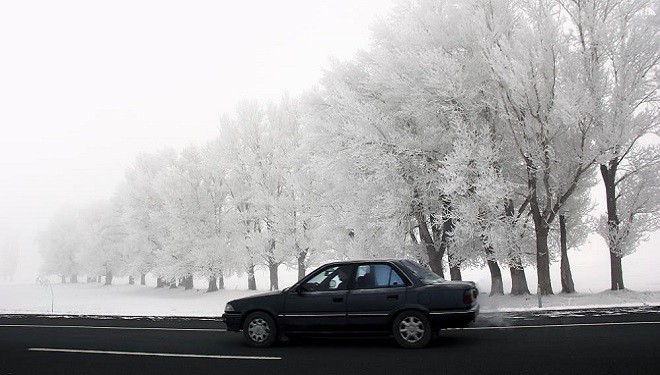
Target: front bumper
x,y
232,320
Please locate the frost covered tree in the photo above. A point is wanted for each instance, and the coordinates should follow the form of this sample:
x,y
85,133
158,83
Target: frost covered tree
x,y
141,201
193,196
103,239
237,134
363,199
532,64
215,256
255,187
634,210
181,218
405,104
619,42
61,245
472,178
292,217
9,250
384,115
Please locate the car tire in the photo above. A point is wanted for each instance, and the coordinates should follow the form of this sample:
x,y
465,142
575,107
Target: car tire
x,y
412,329
260,330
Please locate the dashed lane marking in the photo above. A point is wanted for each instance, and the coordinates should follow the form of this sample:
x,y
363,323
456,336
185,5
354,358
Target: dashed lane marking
x,y
557,325
117,328
147,354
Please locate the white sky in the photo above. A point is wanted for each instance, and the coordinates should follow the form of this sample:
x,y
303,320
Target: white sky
x,y
87,85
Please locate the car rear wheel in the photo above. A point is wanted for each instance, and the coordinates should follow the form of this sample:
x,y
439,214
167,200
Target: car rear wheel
x,y
412,329
259,330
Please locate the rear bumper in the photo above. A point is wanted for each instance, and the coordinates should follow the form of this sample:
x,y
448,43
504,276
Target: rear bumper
x,y
233,321
454,318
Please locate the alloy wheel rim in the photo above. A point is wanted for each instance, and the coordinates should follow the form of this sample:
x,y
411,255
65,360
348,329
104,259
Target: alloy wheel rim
x,y
411,329
258,330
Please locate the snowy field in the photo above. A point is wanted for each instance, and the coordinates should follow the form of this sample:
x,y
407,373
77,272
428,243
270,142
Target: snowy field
x,y
136,300
590,272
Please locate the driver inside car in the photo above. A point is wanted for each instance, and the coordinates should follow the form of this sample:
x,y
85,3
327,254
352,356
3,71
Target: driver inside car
x,y
343,278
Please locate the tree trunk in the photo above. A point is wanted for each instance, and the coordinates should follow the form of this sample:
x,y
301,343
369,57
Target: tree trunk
x,y
616,272
442,234
221,280
567,285
74,279
272,270
302,255
496,286
188,282
455,273
108,278
172,283
131,280
213,284
543,260
99,279
541,229
160,283
609,177
143,279
63,278
454,267
252,282
435,257
518,280
89,279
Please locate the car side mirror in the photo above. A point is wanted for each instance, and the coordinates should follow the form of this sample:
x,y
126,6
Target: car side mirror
x,y
299,290
333,284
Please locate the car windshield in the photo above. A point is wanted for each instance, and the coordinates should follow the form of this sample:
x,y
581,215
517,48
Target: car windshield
x,y
424,274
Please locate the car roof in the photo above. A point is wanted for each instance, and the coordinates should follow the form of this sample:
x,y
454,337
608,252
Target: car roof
x,y
340,262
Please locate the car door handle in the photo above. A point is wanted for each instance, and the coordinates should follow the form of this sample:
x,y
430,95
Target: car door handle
x,y
392,297
337,299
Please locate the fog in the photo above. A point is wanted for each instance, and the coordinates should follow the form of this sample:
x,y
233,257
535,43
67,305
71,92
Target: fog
x,y
86,86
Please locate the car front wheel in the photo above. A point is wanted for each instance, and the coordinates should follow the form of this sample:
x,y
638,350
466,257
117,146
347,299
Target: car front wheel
x,y
259,330
412,329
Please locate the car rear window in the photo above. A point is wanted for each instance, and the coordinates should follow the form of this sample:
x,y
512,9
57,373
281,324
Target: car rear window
x,y
424,274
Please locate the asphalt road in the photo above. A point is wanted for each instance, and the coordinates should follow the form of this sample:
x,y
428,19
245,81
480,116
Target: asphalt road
x,y
596,341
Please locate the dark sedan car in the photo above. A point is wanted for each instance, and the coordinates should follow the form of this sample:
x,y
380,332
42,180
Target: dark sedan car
x,y
396,297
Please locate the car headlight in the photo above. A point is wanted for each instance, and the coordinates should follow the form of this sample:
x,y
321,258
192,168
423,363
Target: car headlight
x,y
229,308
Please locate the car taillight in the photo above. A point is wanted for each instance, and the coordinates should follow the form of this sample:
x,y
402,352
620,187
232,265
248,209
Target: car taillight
x,y
468,297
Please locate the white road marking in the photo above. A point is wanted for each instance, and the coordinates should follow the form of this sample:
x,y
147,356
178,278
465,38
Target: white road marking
x,y
557,325
146,354
117,328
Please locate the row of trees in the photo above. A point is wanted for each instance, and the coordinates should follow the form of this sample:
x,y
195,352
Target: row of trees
x,y
470,134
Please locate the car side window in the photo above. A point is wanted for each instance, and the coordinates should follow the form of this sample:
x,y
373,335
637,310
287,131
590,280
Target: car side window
x,y
371,276
331,278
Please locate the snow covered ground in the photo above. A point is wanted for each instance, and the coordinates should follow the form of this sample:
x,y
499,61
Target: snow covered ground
x,y
590,272
136,300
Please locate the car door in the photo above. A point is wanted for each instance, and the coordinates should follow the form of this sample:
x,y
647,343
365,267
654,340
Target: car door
x,y
319,304
378,290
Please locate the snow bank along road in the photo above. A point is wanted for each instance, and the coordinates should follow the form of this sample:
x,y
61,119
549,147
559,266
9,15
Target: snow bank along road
x,y
594,341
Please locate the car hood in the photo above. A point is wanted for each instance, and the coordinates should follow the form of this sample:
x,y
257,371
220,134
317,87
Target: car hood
x,y
256,297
